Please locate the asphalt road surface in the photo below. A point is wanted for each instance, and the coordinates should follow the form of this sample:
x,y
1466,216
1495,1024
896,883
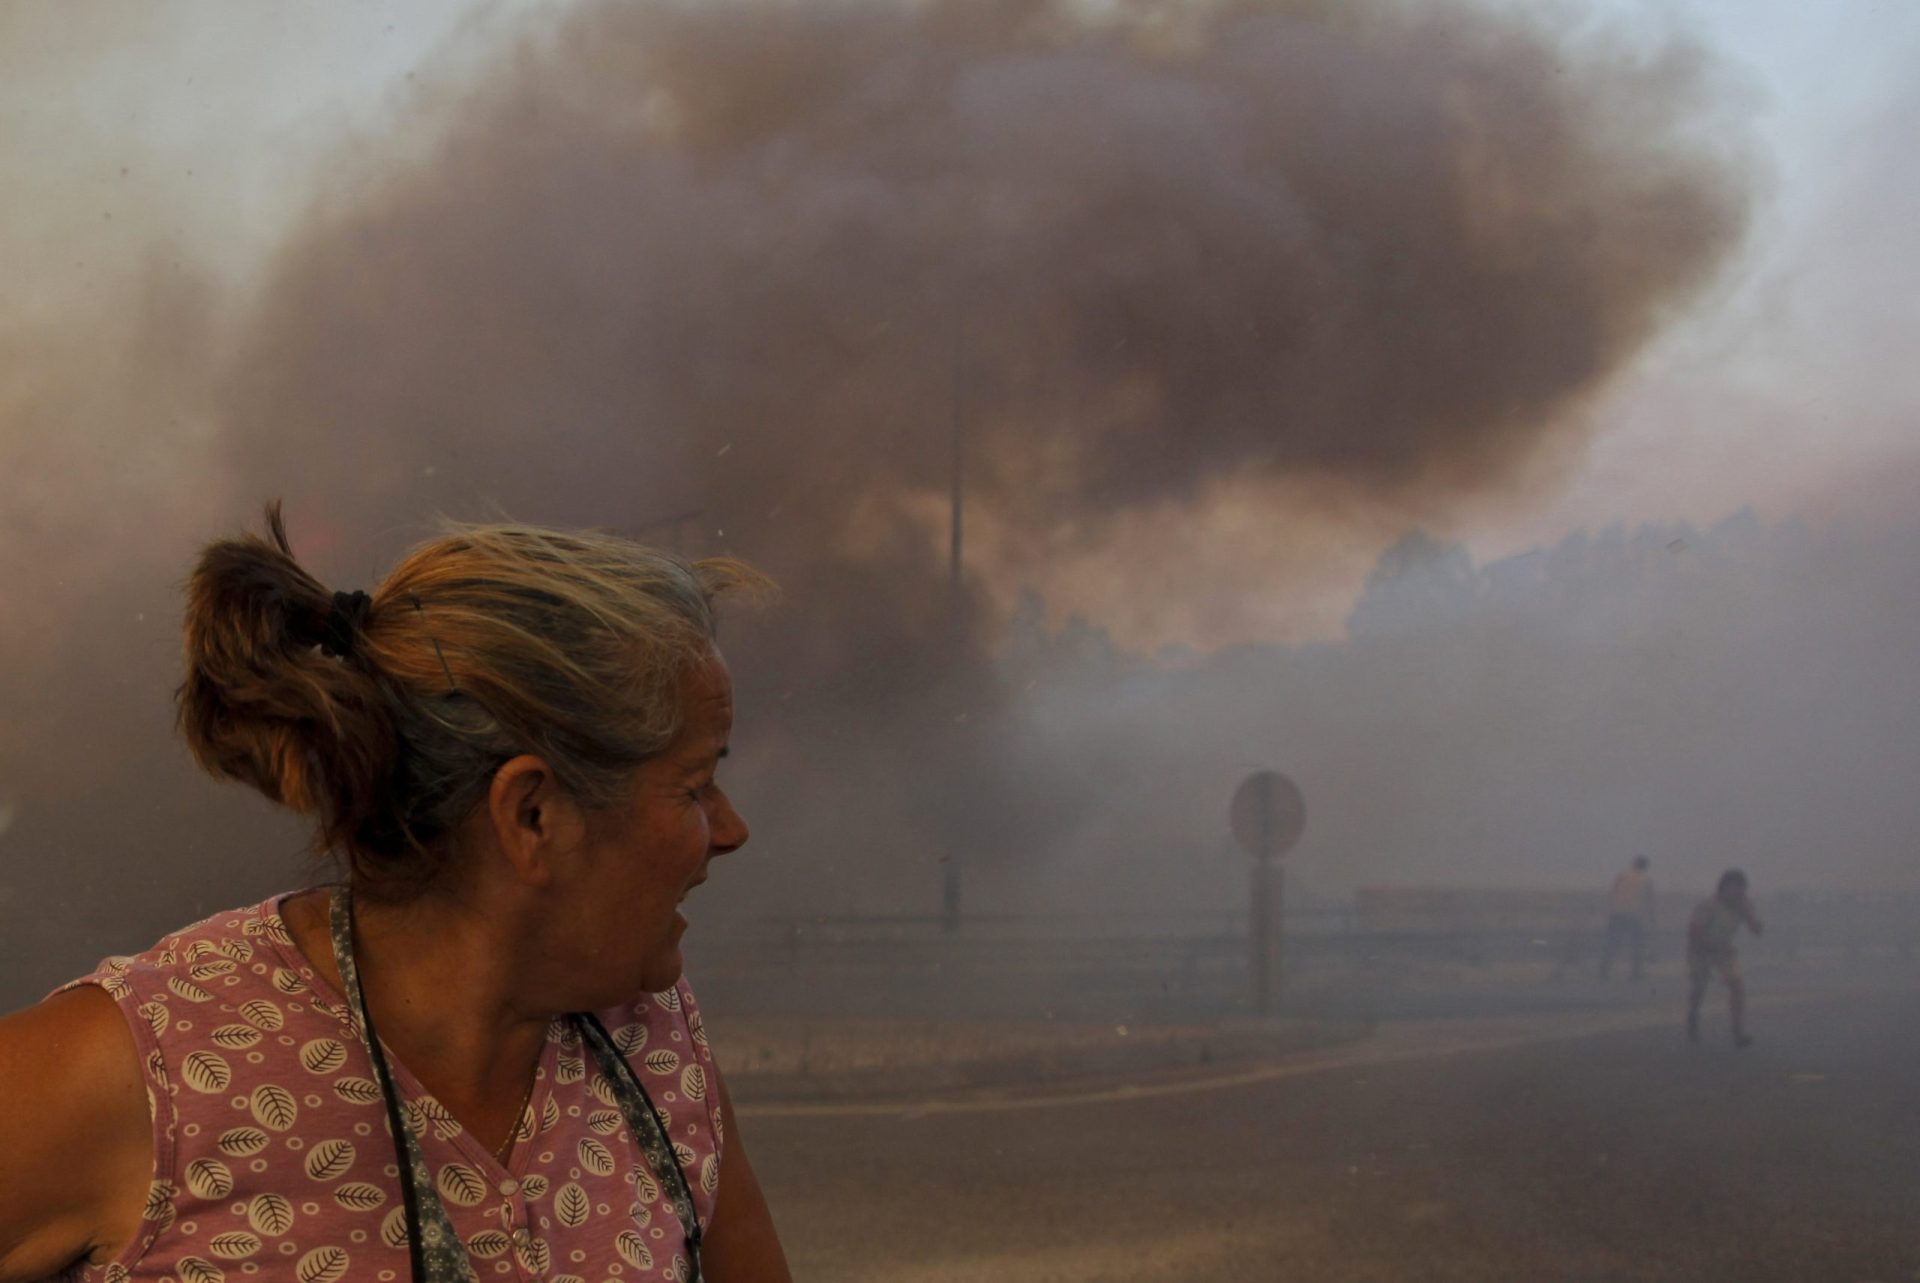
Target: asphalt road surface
x,y
1622,1156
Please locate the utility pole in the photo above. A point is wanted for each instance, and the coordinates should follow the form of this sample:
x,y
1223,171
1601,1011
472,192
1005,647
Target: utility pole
x,y
956,642
958,405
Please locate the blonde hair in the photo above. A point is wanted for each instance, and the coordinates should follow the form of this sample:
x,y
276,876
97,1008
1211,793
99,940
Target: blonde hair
x,y
485,643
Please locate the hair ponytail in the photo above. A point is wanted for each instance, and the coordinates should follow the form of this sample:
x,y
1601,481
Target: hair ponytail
x,y
263,703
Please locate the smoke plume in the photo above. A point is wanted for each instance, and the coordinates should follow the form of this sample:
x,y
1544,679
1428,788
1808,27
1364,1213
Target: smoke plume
x,y
736,276
738,273
753,259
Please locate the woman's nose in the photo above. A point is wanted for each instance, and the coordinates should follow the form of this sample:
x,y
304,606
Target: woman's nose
x,y
729,832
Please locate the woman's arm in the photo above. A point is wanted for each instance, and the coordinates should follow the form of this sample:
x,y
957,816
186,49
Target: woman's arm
x,y
76,1141
741,1244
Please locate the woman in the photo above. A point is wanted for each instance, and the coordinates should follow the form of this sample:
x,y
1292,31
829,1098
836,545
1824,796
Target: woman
x,y
474,1058
1710,932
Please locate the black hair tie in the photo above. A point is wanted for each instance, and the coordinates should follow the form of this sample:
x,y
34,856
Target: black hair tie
x,y
341,628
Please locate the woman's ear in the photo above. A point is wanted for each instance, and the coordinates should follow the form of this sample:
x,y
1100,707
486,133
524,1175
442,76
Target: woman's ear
x,y
533,820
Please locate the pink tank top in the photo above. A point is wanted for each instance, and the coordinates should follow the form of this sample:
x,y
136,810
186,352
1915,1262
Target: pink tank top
x,y
273,1159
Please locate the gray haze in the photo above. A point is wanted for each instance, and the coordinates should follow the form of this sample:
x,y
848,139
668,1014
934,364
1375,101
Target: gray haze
x,y
1744,695
726,276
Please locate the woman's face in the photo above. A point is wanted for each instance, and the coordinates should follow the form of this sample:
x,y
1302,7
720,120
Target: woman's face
x,y
646,855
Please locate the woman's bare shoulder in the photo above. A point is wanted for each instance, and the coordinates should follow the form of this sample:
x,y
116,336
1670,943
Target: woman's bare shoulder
x,y
76,1137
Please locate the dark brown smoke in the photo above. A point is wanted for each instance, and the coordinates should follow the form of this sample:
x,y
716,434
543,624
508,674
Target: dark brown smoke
x,y
727,275
748,262
749,259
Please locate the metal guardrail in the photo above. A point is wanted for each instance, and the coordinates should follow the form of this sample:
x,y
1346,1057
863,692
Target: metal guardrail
x,y
1465,924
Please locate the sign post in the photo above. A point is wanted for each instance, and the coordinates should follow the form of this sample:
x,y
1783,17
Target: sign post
x,y
1268,816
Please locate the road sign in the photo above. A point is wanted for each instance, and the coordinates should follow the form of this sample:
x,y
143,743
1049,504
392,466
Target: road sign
x,y
1268,814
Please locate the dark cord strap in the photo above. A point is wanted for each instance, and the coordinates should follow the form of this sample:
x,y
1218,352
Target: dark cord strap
x,y
435,1252
652,1137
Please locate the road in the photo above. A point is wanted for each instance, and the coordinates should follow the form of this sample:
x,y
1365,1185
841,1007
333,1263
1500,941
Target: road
x,y
1621,1156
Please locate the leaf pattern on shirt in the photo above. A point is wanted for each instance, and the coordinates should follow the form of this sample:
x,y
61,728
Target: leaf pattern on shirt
x,y
262,1013
234,1245
195,1270
323,1265
571,1205
488,1244
361,1196
209,1178
206,1071
282,1150
361,1091
274,1107
242,1142
330,1159
323,1055
594,1156
461,1185
235,1037
270,1213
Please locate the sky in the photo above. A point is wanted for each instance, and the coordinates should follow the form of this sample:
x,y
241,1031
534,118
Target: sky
x,y
1785,391
197,133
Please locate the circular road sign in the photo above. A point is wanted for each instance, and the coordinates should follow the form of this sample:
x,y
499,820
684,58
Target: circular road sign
x,y
1268,814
